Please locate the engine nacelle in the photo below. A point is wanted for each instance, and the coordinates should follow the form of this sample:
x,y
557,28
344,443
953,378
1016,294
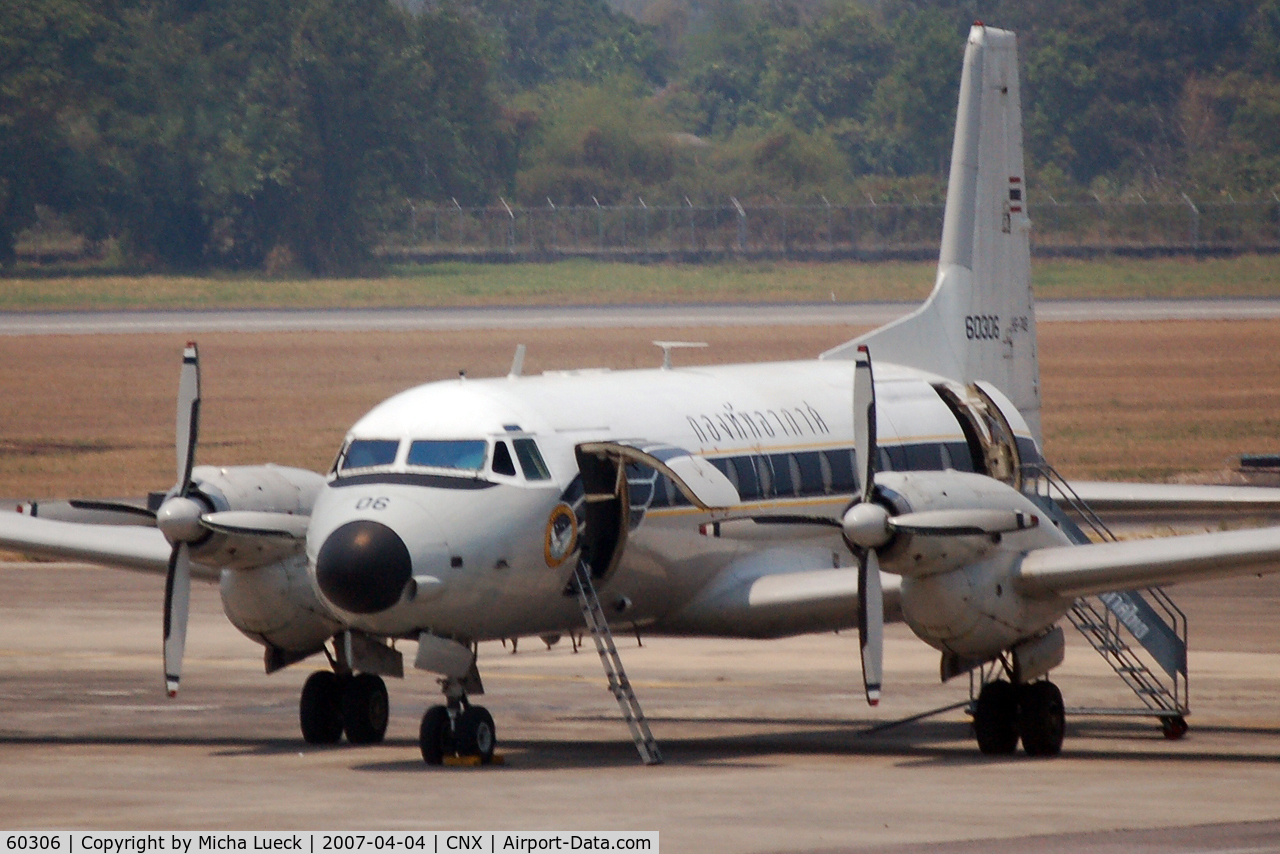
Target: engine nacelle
x,y
269,488
957,589
276,606
915,555
975,612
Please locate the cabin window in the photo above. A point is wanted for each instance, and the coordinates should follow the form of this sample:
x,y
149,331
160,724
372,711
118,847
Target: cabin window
x,y
924,457
502,463
367,453
531,462
465,454
786,474
811,480
840,462
960,459
765,470
893,458
747,481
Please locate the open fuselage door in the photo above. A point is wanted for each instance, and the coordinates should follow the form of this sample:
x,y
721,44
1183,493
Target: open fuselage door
x,y
612,471
993,447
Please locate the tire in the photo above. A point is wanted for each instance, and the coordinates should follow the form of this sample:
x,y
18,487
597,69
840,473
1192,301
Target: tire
x,y
320,709
1041,718
435,737
995,719
365,709
1174,728
476,734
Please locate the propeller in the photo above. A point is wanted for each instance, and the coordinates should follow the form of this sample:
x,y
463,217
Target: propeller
x,y
179,520
863,514
869,525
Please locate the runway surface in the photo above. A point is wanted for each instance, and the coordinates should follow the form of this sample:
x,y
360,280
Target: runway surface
x,y
766,743
543,317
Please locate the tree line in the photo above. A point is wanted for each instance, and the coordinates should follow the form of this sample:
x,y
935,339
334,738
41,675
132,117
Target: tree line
x,y
237,133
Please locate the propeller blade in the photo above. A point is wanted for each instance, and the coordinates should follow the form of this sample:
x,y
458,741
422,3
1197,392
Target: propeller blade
x,y
871,624
111,509
864,421
963,523
188,423
177,598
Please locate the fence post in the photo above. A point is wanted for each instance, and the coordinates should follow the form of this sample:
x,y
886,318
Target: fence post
x,y
551,244
831,240
458,241
511,225
1195,220
644,222
742,223
693,238
599,224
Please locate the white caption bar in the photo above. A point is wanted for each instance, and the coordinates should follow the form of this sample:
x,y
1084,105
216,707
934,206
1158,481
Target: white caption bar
x,y
324,842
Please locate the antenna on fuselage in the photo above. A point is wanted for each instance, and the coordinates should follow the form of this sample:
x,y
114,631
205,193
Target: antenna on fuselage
x,y
668,346
517,363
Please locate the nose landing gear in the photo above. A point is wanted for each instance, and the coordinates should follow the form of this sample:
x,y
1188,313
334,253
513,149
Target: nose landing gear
x,y
457,729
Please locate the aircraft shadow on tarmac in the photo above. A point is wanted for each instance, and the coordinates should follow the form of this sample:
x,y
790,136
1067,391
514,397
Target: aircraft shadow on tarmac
x,y
919,744
922,744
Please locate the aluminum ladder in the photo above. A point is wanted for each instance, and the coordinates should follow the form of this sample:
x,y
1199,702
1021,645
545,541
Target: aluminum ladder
x,y
619,685
1158,626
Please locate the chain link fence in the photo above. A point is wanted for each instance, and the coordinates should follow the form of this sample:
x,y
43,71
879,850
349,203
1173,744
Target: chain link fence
x,y
691,232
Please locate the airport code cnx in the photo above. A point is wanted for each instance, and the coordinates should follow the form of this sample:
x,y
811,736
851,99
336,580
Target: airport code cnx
x,y
318,842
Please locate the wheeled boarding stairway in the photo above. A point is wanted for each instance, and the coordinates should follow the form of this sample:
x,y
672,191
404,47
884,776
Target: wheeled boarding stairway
x,y
1141,634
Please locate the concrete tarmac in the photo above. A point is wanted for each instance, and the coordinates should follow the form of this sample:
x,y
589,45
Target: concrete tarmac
x,y
766,742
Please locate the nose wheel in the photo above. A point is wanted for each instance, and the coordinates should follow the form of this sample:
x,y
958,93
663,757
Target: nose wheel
x,y
333,703
457,729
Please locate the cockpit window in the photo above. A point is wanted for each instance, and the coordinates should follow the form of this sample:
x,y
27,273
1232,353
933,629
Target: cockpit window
x,y
502,463
367,453
467,454
531,462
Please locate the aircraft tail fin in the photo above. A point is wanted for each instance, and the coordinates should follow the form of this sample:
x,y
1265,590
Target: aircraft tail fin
x,y
979,322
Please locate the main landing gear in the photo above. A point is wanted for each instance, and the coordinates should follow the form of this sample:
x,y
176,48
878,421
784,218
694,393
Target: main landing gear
x,y
1006,712
333,703
457,728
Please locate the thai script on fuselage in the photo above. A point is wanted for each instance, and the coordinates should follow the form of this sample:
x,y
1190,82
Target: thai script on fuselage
x,y
730,423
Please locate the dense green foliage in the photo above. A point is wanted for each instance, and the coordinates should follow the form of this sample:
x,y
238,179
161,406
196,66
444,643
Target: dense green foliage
x,y
251,133
224,132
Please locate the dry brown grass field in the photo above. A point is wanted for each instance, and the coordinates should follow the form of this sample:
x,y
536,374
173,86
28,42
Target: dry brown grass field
x,y
93,415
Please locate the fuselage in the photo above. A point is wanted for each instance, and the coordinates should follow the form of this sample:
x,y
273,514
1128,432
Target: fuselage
x,y
479,481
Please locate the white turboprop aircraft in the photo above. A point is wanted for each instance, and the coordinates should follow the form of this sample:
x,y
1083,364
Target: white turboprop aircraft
x,y
758,500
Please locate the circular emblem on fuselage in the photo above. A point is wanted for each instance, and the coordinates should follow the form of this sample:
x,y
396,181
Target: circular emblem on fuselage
x,y
562,535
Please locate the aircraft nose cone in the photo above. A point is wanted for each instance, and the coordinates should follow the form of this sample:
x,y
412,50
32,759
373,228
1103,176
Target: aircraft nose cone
x,y
363,567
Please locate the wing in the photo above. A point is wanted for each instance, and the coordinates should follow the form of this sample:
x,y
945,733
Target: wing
x,y
778,593
1070,571
123,546
1167,499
